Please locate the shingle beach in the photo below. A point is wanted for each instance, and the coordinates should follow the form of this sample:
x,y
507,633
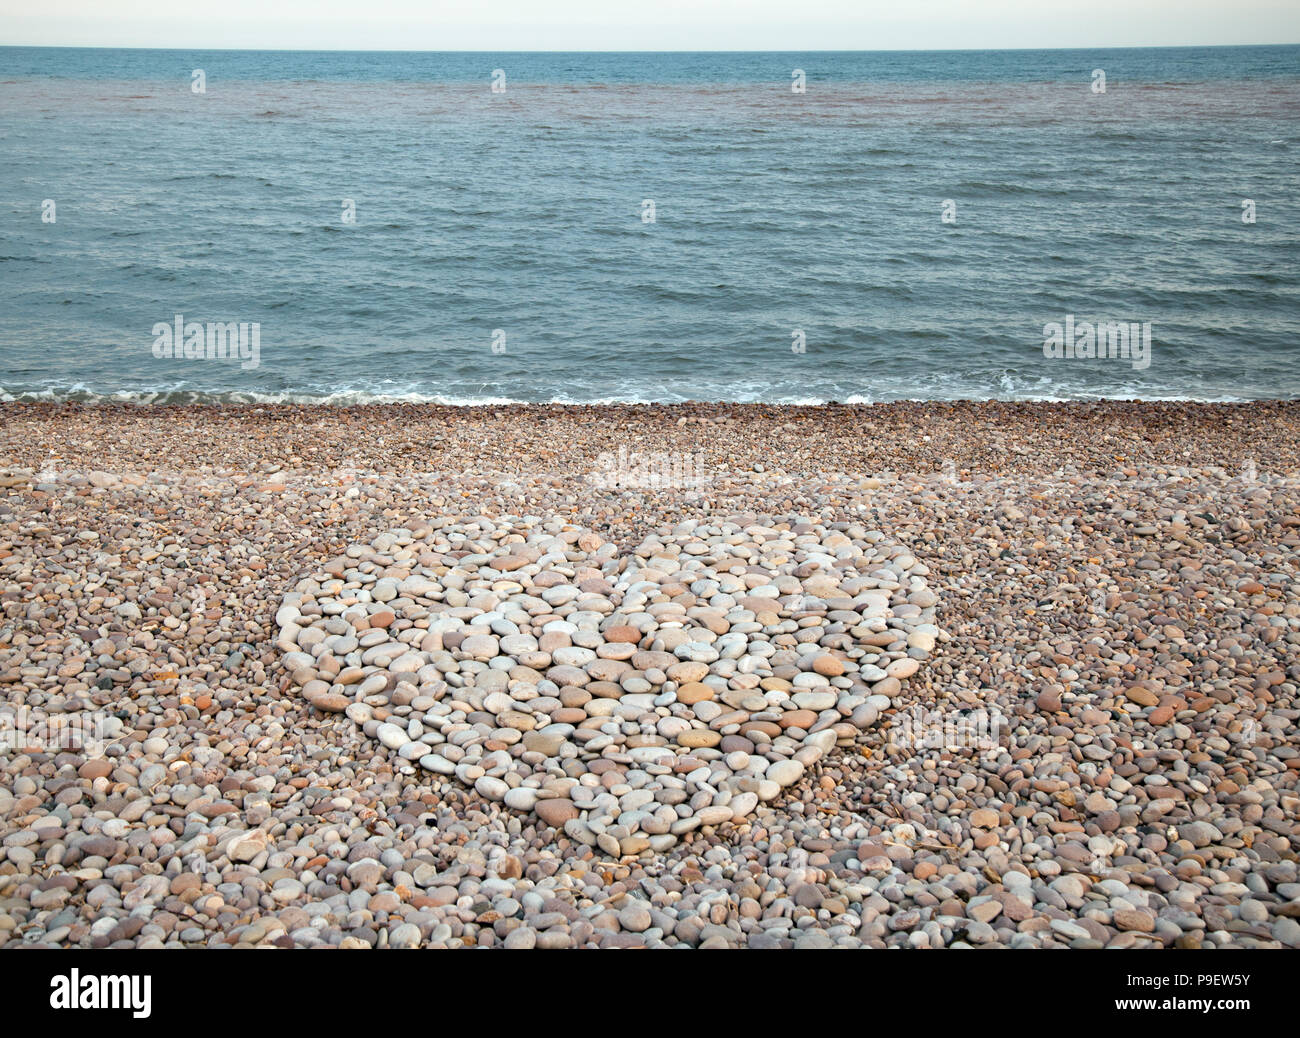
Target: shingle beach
x,y
716,675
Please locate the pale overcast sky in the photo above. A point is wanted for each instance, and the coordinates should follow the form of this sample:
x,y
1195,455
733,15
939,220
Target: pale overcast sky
x,y
502,25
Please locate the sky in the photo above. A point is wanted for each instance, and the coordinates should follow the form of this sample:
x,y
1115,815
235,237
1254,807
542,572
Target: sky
x,y
781,25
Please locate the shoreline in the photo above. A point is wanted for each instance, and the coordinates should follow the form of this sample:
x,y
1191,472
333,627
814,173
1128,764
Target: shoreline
x,y
435,405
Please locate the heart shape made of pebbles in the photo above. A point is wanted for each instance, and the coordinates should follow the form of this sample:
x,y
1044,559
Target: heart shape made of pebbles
x,y
627,697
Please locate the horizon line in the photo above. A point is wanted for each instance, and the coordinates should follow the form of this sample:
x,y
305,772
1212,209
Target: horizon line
x,y
585,50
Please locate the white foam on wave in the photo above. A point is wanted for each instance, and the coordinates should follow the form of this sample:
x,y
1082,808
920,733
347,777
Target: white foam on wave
x,y
356,396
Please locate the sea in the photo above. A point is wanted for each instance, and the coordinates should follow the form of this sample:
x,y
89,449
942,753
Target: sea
x,y
266,226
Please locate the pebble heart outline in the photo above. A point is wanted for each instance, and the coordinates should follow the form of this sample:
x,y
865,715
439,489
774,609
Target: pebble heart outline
x,y
628,697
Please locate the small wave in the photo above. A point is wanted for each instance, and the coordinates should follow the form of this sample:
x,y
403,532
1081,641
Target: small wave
x,y
172,396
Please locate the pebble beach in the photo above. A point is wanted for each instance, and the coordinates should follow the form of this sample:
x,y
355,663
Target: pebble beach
x,y
910,675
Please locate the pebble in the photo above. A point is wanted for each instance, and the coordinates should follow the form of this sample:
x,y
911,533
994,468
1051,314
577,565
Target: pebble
x,y
635,918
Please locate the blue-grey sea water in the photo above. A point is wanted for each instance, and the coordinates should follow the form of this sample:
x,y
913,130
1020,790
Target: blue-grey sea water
x,y
649,227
